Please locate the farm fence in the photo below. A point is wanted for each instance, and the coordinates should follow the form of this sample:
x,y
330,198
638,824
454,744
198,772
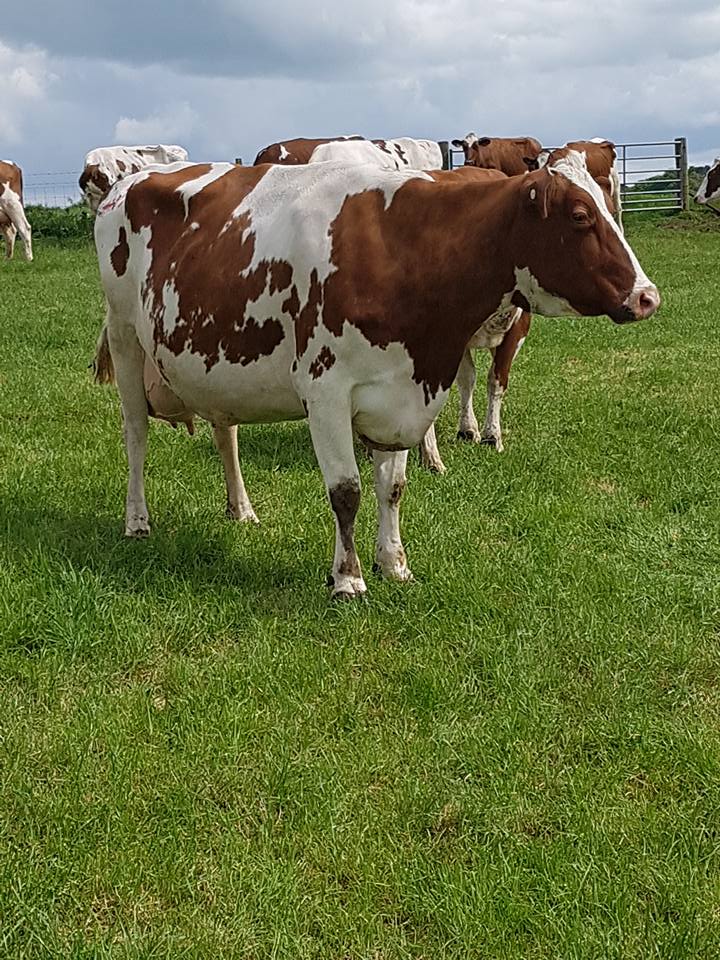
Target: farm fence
x,y
51,189
653,174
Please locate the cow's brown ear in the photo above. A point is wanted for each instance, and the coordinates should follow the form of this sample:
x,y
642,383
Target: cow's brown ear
x,y
531,163
537,194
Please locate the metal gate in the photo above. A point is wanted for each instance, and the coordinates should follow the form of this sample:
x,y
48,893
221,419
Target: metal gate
x,y
653,175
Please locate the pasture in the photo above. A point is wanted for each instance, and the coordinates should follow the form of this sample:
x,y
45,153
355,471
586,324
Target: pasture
x,y
516,756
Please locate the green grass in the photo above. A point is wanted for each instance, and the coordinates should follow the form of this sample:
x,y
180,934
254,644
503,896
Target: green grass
x,y
517,756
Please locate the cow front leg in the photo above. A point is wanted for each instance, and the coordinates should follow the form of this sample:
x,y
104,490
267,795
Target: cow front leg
x,y
389,487
332,437
499,376
429,453
9,232
128,359
238,506
468,428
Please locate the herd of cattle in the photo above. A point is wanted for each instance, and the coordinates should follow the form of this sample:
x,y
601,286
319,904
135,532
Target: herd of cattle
x,y
347,281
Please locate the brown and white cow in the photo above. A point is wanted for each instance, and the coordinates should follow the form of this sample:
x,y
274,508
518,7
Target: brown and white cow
x,y
709,189
342,294
12,213
104,166
511,155
400,153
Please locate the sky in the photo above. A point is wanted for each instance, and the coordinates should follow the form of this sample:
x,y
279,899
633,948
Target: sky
x,y
224,78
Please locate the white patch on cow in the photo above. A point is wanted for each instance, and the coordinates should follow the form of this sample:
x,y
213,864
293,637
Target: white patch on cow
x,y
353,152
283,152
573,167
194,225
292,208
191,188
533,193
548,304
493,330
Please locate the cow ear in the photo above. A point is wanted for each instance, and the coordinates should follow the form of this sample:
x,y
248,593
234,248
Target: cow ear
x,y
531,163
537,195
460,144
484,142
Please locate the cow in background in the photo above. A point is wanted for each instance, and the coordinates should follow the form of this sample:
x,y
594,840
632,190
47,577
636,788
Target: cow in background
x,y
402,153
601,160
510,155
12,214
709,189
104,166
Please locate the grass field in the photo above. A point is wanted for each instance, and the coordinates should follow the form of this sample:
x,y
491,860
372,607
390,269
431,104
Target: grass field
x,y
517,756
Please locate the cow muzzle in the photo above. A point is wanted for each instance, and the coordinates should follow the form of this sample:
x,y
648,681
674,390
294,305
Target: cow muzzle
x,y
641,304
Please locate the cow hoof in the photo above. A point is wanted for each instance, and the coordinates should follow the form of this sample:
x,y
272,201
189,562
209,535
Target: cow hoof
x,y
241,516
347,588
434,466
138,528
492,442
396,570
470,436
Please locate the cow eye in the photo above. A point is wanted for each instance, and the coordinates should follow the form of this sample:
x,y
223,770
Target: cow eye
x,y
581,215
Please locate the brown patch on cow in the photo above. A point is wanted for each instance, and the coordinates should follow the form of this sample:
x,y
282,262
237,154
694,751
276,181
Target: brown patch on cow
x,y
216,307
307,318
322,362
345,501
397,492
280,275
120,255
121,166
292,304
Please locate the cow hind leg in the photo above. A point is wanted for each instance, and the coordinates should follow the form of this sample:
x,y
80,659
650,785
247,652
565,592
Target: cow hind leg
x,y
332,438
499,376
389,487
13,210
468,428
238,503
9,232
128,359
429,453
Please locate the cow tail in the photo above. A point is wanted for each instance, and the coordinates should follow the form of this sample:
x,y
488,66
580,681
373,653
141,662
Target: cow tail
x,y
103,366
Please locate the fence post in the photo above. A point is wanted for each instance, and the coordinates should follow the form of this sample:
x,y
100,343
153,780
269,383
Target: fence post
x,y
681,165
445,151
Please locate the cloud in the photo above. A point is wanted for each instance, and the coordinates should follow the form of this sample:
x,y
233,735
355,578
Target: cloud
x,y
24,77
176,123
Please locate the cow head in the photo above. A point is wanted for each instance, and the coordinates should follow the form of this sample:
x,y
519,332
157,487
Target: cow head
x,y
571,258
94,184
470,146
709,189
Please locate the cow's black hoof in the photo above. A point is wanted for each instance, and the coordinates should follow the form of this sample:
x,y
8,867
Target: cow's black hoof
x,y
468,435
488,441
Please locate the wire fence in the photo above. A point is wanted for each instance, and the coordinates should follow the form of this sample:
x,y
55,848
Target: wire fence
x,y
51,189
